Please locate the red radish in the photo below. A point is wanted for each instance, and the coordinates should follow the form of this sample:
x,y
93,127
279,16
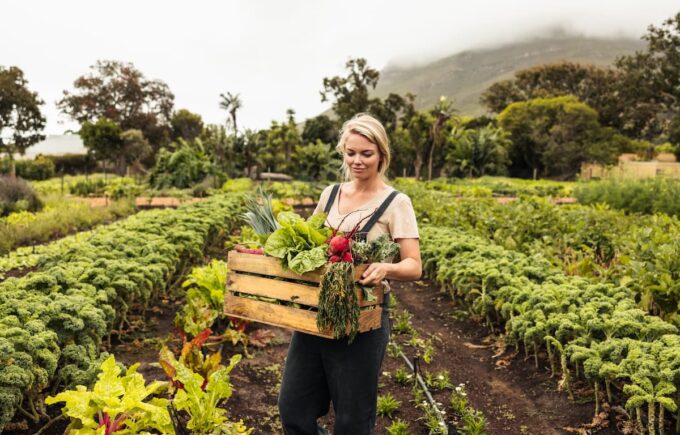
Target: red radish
x,y
335,258
242,249
347,257
339,244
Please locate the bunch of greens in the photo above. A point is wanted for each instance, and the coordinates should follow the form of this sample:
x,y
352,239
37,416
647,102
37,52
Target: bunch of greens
x,y
375,251
338,304
260,215
300,244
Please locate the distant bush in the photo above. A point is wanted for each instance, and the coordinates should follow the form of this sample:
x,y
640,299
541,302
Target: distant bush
x,y
238,185
73,164
655,195
17,195
182,168
41,168
88,188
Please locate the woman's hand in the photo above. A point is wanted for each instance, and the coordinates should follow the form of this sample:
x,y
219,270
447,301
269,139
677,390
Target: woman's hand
x,y
375,273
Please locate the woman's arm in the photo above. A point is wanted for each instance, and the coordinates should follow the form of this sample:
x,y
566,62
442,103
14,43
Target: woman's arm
x,y
408,269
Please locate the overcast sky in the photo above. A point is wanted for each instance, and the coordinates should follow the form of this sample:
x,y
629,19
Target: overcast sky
x,y
275,53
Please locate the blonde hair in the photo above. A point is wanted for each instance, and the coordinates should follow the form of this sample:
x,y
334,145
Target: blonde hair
x,y
369,127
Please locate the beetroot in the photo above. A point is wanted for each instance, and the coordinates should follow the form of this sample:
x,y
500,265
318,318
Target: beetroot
x,y
335,258
347,257
339,244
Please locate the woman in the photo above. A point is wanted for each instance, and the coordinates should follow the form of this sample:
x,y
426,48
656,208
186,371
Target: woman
x,y
318,370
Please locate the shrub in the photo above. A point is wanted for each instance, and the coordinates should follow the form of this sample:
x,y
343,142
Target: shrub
x,y
183,168
73,164
41,168
655,195
17,195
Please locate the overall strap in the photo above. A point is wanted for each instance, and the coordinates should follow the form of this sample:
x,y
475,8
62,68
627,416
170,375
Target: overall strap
x,y
331,198
377,214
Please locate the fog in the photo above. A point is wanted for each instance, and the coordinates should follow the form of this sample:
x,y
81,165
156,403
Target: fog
x,y
275,54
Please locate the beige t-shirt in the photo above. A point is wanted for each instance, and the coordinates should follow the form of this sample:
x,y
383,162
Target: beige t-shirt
x,y
398,220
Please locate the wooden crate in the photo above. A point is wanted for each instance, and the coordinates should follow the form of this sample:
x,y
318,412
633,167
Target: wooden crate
x,y
264,276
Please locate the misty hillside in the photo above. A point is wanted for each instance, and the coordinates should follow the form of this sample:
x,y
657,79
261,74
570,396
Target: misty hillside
x,y
464,76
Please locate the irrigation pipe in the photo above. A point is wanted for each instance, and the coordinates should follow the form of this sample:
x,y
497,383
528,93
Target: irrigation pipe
x,y
419,379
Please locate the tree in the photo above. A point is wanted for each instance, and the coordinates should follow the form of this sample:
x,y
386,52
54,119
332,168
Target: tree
x,y
220,147
441,113
231,103
279,142
320,128
351,93
551,137
186,125
649,89
477,152
103,140
135,147
315,161
187,165
21,121
595,86
119,92
419,130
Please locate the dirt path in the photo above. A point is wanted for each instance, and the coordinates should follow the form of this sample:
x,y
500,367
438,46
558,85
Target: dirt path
x,y
518,399
515,399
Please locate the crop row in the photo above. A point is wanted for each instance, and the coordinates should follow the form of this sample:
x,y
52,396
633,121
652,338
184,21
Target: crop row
x,y
590,330
53,320
641,252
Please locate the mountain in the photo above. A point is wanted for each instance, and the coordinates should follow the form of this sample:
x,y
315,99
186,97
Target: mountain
x,y
464,76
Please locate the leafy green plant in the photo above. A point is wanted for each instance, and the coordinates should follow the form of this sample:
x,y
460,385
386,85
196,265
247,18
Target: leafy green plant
x,y
301,245
402,376
116,403
402,323
398,427
204,297
387,405
439,381
199,397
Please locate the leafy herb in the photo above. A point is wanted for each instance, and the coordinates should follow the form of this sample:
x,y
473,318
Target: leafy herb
x,y
300,244
338,304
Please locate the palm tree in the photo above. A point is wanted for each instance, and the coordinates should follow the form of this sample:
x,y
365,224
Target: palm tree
x,y
231,103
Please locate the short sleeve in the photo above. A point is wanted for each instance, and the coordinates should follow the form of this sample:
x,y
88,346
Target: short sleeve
x,y
323,199
402,222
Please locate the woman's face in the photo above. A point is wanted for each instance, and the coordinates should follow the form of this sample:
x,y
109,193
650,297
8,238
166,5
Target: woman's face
x,y
362,157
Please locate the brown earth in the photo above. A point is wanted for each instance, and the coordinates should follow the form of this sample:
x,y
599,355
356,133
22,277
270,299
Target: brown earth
x,y
515,397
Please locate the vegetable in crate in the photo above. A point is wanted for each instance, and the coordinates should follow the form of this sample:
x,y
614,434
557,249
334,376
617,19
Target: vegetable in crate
x,y
300,244
260,214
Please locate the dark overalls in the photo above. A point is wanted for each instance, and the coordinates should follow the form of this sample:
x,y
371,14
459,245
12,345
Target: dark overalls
x,y
320,370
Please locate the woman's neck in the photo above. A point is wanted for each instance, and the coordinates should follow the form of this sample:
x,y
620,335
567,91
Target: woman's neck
x,y
371,185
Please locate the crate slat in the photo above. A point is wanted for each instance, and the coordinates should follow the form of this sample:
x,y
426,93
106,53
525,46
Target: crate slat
x,y
297,319
289,291
273,288
263,265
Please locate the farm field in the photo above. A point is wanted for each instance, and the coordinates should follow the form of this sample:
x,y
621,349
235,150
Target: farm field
x,y
515,318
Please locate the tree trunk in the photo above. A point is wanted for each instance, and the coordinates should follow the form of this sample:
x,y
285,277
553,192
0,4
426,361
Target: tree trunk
x,y
120,166
418,164
429,160
12,167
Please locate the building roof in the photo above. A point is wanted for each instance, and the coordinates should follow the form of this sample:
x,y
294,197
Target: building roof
x,y
56,145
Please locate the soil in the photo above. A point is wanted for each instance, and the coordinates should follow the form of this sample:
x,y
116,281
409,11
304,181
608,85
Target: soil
x,y
514,396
